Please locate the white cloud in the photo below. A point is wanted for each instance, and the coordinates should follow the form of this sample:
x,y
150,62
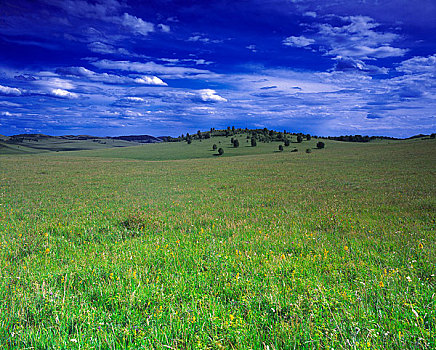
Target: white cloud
x,y
298,41
252,48
418,65
8,114
310,14
154,68
9,104
153,80
209,95
164,28
63,93
137,25
6,90
134,99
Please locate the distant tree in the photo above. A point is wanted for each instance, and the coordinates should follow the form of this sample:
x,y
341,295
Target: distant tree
x,y
220,151
207,135
280,136
432,136
189,141
308,137
199,134
214,147
235,143
299,139
233,129
320,145
232,140
253,142
287,142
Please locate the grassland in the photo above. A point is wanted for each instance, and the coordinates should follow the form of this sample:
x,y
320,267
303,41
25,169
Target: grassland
x,y
331,249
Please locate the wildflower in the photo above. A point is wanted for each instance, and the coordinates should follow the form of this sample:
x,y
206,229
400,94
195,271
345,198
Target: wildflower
x,y
381,284
408,279
346,248
111,276
231,317
283,256
47,251
421,246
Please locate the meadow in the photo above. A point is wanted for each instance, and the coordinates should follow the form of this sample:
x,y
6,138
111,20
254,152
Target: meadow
x,y
166,246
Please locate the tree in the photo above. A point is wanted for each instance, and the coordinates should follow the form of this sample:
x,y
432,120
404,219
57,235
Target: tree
x,y
253,142
320,145
214,147
299,139
220,151
235,143
199,134
308,137
189,141
287,142
281,148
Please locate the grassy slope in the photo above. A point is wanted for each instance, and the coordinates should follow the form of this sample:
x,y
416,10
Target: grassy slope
x,y
201,149
330,249
55,144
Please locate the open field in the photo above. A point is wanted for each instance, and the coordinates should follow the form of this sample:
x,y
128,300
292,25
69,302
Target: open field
x,y
332,249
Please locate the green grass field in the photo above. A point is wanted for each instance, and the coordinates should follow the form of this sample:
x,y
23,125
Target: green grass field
x,y
257,249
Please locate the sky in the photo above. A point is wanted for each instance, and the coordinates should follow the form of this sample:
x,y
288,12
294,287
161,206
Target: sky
x,y
167,67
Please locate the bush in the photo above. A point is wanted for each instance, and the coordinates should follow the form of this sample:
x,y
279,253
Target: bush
x,y
294,150
299,139
308,150
214,147
220,151
320,145
235,143
189,141
281,148
287,142
308,137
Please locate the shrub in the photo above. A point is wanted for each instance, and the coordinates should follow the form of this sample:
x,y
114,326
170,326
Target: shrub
x,y
294,150
235,143
308,150
189,141
320,145
220,151
281,148
287,142
299,139
214,147
308,137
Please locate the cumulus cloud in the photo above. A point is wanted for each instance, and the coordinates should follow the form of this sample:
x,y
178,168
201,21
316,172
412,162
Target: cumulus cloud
x,y
350,64
209,95
137,25
164,28
150,80
134,99
418,65
6,90
63,94
298,41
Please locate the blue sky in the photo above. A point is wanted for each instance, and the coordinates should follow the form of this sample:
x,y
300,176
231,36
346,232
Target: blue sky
x,y
166,67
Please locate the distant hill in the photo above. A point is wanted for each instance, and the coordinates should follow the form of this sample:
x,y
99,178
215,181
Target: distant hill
x,y
139,138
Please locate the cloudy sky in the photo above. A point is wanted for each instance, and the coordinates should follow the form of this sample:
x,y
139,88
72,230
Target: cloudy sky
x,y
166,67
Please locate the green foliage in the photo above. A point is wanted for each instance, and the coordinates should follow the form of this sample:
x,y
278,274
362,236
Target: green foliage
x,y
299,138
220,151
308,150
281,148
308,137
236,143
214,147
287,142
320,145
